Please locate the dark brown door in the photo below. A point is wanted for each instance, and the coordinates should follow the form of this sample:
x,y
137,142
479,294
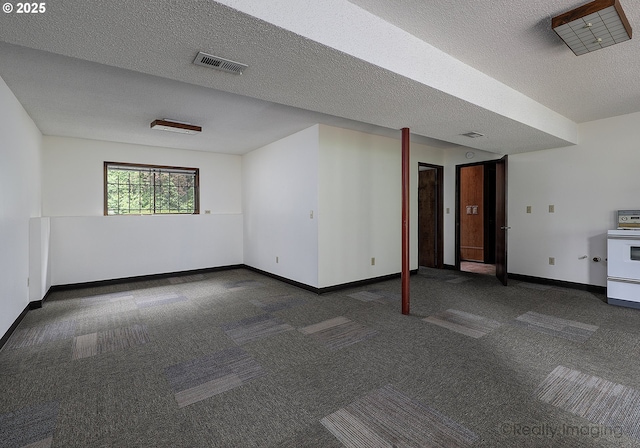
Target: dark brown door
x,y
427,216
430,215
501,220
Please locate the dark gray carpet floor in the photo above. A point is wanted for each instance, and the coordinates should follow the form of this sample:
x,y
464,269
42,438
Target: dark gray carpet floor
x,y
237,359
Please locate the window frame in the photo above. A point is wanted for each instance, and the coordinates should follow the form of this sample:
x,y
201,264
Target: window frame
x,y
142,166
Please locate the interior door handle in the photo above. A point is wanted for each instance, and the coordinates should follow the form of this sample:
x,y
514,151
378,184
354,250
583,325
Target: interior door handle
x,y
505,228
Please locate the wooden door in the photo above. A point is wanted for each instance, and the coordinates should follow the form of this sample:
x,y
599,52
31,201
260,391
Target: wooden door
x,y
427,217
501,220
472,213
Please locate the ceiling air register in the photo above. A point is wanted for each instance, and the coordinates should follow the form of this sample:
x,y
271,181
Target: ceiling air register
x,y
218,63
593,26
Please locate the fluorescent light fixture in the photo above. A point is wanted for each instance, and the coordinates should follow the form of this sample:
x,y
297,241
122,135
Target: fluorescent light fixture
x,y
175,126
593,26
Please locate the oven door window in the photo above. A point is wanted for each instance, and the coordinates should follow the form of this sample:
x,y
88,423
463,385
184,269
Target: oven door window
x,y
635,253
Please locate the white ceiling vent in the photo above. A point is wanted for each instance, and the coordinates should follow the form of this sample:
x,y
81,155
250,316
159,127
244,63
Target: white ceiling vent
x,y
219,63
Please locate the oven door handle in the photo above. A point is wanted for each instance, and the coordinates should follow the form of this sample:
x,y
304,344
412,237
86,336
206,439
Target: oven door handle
x,y
623,280
624,237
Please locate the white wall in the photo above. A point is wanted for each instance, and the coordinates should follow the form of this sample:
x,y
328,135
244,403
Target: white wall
x,y
360,204
360,207
20,162
39,257
280,190
87,246
587,184
73,181
93,248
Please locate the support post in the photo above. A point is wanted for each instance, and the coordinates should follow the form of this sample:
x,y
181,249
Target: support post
x,y
405,220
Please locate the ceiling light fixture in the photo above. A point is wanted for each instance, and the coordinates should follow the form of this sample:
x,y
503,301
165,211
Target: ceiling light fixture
x,y
593,26
175,126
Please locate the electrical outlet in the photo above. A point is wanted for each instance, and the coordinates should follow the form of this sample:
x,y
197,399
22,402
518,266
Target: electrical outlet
x,y
528,209
552,261
311,214
552,209
448,210
207,212
373,261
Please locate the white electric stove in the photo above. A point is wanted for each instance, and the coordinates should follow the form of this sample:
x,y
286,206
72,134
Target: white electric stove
x,y
623,260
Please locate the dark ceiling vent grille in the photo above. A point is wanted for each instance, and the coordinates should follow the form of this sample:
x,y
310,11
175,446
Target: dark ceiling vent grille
x,y
473,134
207,60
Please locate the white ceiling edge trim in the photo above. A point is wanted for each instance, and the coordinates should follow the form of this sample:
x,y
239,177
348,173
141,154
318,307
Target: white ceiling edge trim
x,y
378,42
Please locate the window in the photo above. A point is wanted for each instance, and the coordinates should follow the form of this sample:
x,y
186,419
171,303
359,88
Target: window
x,y
131,189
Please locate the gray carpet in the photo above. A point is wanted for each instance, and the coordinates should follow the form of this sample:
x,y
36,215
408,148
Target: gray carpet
x,y
110,340
386,417
338,332
555,326
237,359
31,426
255,328
214,374
277,303
39,335
366,296
464,323
614,406
145,302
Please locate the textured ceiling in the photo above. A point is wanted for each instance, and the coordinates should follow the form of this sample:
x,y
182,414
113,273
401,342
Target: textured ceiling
x,y
105,70
82,99
512,41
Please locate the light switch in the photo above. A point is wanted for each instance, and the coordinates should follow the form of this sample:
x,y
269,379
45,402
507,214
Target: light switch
x,y
528,209
552,209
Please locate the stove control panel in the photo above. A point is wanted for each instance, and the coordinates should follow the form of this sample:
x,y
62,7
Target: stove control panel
x,y
629,219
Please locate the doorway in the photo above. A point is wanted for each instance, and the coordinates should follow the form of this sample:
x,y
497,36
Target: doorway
x,y
430,215
480,218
